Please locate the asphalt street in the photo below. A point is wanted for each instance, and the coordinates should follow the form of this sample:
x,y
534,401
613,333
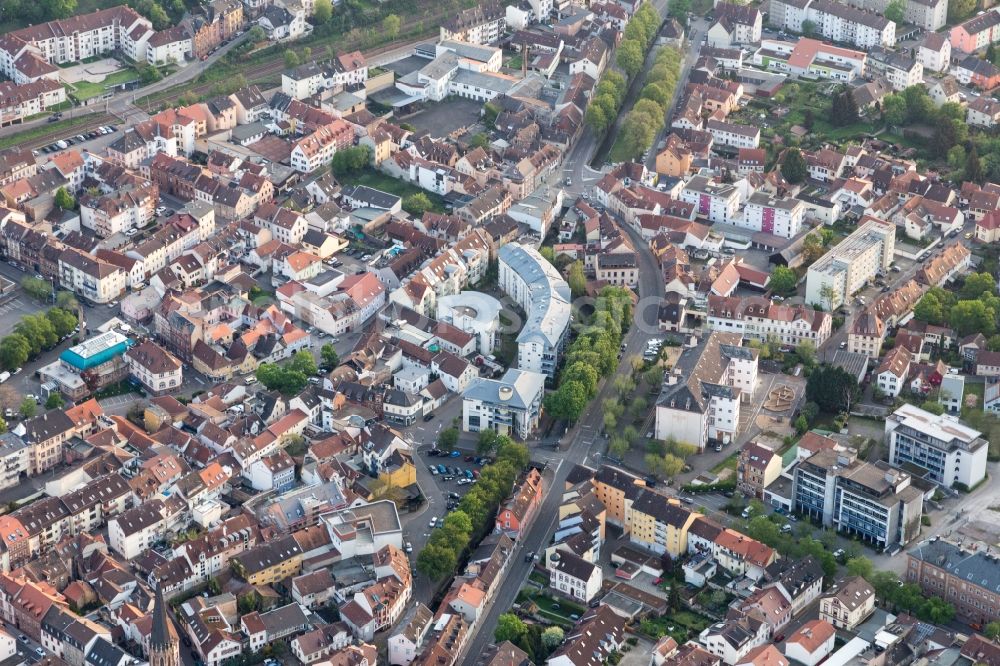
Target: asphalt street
x,y
582,444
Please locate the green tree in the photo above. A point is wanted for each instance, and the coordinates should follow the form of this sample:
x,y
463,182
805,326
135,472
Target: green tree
x,y
63,321
832,388
480,140
596,117
54,401
435,561
303,362
895,11
977,284
583,373
629,57
257,33
968,317
38,331
809,28
351,160
959,10
679,9
390,26
28,408
329,356
794,167
576,279
929,309
509,628
291,59
14,351
783,280
487,442
447,439
552,638
322,11
38,289
806,351
957,157
860,566
992,631
657,93
973,166
568,401
64,200
417,204
894,110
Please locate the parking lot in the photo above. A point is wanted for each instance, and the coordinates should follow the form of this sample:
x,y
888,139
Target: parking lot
x,y
13,308
70,141
445,117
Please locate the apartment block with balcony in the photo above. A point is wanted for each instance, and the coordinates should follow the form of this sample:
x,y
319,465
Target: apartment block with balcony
x,y
511,405
952,454
873,502
843,271
535,285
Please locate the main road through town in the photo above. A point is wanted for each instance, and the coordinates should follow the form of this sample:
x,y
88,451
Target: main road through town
x,y
582,444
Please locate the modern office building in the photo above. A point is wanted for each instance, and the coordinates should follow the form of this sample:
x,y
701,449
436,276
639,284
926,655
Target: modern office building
x,y
950,452
535,285
871,501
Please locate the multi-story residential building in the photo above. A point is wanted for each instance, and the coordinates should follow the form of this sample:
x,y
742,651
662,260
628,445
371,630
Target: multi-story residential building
x,y
866,335
974,71
575,577
482,24
935,52
983,112
892,371
269,562
848,603
701,397
834,21
317,149
781,216
757,467
139,528
93,279
899,69
758,318
734,24
967,579
660,523
871,501
841,23
952,454
17,102
29,53
45,435
156,368
510,406
860,257
719,202
617,268
976,33
733,134
119,211
535,285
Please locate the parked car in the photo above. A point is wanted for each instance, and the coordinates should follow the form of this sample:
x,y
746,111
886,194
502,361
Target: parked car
x,y
455,454
428,417
434,521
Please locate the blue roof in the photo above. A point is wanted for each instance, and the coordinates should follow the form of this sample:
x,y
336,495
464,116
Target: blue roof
x,y
92,353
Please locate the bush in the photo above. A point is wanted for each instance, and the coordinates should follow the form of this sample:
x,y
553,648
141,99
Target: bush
x,y
720,487
925,520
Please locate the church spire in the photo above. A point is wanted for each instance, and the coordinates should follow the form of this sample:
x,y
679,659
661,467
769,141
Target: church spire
x,y
164,648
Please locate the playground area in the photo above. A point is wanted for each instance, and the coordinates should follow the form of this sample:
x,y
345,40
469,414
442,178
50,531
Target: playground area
x,y
779,398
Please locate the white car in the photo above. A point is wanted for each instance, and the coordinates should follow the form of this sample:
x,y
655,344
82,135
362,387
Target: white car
x,y
434,521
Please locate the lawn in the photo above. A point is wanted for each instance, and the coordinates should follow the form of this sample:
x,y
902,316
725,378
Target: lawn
x,y
728,463
618,151
84,90
386,183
